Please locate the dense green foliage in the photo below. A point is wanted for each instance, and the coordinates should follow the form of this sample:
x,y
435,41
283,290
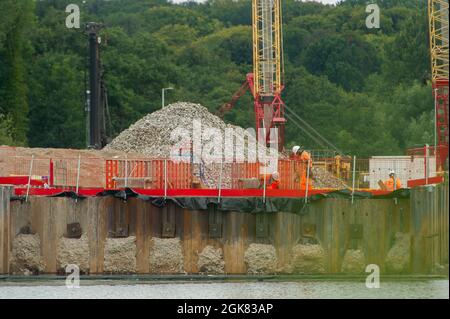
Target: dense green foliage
x,y
367,91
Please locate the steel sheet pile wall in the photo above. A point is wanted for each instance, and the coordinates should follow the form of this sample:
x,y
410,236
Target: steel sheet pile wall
x,y
235,243
430,227
5,245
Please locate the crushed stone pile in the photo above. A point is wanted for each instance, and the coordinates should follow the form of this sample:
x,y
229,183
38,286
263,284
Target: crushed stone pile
x,y
398,257
26,255
151,136
353,262
166,256
260,259
74,251
308,259
210,261
120,255
324,179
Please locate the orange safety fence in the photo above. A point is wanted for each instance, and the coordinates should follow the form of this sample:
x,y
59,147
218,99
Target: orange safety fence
x,y
251,175
148,174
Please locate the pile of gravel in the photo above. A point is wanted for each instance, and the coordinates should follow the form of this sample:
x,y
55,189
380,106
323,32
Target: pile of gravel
x,y
151,136
353,262
120,255
324,179
398,257
26,255
308,259
74,251
166,256
260,259
210,261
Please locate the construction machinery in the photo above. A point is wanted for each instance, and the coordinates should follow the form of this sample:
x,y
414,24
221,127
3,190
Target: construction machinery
x,y
439,47
96,97
266,81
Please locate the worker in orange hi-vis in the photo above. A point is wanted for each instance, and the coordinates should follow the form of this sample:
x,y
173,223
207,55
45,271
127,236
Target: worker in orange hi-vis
x,y
304,158
393,183
275,181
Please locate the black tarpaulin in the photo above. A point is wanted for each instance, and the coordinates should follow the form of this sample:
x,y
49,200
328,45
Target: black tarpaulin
x,y
241,204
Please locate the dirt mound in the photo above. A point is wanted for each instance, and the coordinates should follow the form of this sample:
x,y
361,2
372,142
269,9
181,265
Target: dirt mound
x,y
308,259
353,262
398,257
166,255
260,259
120,255
74,251
26,255
210,260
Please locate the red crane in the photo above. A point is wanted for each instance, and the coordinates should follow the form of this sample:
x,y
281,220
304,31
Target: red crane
x,y
265,83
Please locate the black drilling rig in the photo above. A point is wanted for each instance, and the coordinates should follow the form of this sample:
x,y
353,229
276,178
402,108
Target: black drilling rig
x,y
96,97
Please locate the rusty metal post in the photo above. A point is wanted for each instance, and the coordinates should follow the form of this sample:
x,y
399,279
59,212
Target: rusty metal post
x,y
29,178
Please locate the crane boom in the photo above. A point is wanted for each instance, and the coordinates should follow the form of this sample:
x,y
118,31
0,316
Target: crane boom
x,y
439,47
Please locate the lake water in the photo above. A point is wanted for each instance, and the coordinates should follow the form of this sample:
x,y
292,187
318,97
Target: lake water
x,y
304,289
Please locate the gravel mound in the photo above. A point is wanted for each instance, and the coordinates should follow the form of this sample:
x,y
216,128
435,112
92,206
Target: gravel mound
x,y
398,257
324,179
74,251
26,255
353,262
308,259
260,259
210,260
120,255
151,136
166,256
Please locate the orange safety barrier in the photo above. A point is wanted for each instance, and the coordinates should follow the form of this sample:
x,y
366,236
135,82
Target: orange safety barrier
x,y
243,173
240,172
148,174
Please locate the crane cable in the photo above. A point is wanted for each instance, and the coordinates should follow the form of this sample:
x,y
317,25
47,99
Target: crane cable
x,y
305,131
311,129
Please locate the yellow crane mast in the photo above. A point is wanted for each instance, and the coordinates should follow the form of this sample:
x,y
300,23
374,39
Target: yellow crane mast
x,y
267,47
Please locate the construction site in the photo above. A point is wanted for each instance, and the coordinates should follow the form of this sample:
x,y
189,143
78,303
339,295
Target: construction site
x,y
182,191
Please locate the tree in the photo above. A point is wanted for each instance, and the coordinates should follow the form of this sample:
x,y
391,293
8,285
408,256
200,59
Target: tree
x,y
13,88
